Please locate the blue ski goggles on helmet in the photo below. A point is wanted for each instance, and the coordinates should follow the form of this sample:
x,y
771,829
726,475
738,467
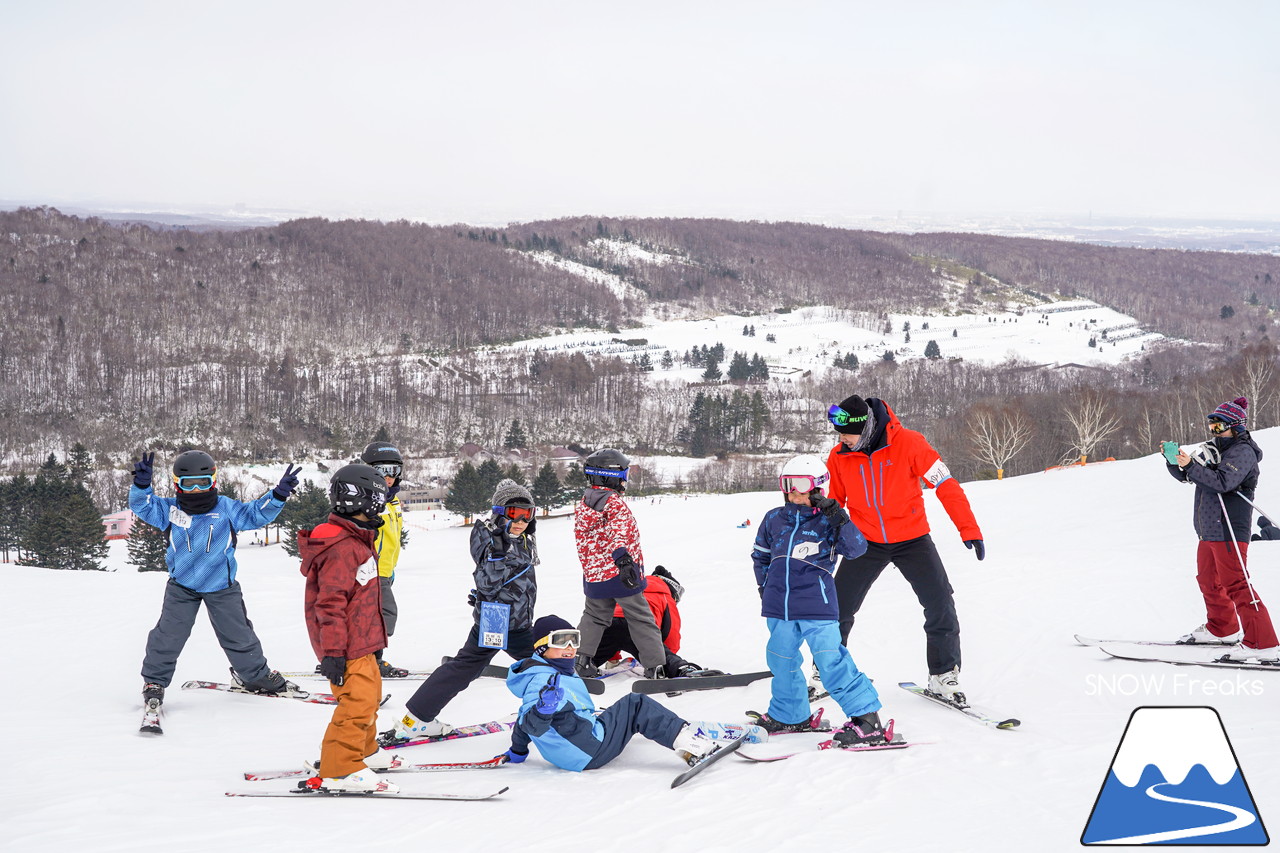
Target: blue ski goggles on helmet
x,y
839,417
619,473
388,469
200,483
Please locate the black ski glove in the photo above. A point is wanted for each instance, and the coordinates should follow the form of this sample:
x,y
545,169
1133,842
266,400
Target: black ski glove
x,y
977,547
287,483
834,513
142,470
334,669
626,568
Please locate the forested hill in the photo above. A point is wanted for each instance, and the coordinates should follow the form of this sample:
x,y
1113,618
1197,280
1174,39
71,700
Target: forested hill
x,y
314,331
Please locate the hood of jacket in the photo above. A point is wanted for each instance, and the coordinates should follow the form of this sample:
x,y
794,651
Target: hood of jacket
x,y
312,543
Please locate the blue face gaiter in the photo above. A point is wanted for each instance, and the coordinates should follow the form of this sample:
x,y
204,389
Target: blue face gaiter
x,y
563,665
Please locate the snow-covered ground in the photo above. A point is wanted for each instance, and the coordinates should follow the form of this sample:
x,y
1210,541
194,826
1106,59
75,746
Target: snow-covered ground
x,y
1105,550
812,338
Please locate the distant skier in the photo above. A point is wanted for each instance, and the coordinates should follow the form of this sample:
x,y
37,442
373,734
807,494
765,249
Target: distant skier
x,y
876,472
385,458
201,559
1225,472
558,716
794,560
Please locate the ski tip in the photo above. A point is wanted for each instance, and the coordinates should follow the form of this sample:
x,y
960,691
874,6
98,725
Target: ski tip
x,y
1010,723
503,790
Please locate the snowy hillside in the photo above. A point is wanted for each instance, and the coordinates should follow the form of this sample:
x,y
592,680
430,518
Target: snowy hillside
x,y
1105,551
812,338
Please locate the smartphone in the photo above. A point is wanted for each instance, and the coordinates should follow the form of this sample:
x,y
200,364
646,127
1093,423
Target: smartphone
x,y
1170,449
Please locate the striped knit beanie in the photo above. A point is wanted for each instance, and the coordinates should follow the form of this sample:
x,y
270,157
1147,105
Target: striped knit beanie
x,y
1232,413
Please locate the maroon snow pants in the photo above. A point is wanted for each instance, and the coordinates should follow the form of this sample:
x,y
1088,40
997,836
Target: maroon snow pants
x,y
1229,602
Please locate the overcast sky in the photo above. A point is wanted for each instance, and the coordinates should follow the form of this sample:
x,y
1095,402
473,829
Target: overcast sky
x,y
491,112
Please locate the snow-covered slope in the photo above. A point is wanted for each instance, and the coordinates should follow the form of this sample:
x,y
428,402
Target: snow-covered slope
x,y
1106,550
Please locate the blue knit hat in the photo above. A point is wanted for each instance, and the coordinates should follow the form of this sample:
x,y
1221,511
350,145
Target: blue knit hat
x,y
1232,414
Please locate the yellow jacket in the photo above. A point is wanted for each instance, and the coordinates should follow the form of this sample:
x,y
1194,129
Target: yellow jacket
x,y
388,542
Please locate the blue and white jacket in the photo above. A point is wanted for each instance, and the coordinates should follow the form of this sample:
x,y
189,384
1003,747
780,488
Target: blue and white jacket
x,y
795,562
571,736
202,548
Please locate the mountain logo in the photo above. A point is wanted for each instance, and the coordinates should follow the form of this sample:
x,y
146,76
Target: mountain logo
x,y
1175,780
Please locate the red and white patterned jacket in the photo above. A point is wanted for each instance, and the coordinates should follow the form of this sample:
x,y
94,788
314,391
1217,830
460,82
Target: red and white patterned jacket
x,y
602,524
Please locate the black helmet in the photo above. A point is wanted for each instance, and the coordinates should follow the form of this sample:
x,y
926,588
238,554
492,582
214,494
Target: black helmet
x,y
607,467
357,488
677,590
195,471
381,451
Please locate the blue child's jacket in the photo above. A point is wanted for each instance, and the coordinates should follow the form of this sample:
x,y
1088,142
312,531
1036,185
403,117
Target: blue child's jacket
x,y
795,561
568,738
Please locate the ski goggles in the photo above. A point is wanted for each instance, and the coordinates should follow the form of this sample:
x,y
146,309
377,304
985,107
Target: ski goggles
x,y
562,638
839,417
619,473
388,469
802,482
515,513
200,483
1218,427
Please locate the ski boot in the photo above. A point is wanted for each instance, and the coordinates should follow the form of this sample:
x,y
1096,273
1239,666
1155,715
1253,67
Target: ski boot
x,y
276,685
947,686
866,730
693,744
774,727
386,670
1202,636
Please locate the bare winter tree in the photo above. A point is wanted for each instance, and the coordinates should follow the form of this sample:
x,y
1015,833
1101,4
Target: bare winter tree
x,y
1092,422
999,434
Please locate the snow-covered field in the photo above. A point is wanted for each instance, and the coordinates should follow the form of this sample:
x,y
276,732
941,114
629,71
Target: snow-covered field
x,y
812,338
1105,550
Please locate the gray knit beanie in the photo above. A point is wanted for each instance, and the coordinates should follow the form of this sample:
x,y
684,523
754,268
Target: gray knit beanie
x,y
509,492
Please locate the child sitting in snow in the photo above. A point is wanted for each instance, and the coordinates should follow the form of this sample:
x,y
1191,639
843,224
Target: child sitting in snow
x,y
558,716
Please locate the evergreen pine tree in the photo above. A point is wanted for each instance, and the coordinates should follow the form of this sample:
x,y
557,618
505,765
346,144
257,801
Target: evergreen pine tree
x,y
79,462
147,545
382,435
546,487
18,509
712,373
515,474
490,474
515,436
931,350
739,367
464,495
668,361
308,507
575,481
66,529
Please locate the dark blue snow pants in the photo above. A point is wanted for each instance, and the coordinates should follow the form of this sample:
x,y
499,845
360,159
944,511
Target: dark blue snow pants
x,y
231,626
634,714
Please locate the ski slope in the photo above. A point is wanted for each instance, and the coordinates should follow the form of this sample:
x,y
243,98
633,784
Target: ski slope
x,y
1106,550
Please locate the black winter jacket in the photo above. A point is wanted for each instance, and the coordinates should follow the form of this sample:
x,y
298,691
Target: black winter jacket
x,y
1236,474
504,571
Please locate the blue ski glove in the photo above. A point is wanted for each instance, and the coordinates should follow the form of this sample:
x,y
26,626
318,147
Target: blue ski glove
x,y
514,757
287,483
142,470
334,669
976,546
551,696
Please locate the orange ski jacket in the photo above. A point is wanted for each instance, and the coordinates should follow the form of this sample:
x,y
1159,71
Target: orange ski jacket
x,y
880,487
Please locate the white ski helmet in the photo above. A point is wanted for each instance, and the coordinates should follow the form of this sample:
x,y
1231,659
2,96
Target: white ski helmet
x,y
803,474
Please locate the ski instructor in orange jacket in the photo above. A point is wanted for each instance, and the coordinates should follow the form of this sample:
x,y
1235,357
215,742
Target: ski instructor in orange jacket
x,y
876,475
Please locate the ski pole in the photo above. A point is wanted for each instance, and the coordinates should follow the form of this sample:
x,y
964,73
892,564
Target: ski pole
x,y
1239,556
1260,510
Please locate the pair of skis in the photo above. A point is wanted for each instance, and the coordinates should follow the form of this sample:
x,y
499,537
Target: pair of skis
x,y
1216,653
300,695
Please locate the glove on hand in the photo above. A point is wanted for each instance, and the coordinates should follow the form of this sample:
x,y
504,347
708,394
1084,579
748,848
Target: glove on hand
x,y
551,696
334,669
142,470
977,547
287,483
514,757
834,513
471,598
627,569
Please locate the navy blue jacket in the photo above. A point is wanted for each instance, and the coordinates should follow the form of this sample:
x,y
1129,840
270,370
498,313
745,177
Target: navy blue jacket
x,y
795,562
1236,474
505,571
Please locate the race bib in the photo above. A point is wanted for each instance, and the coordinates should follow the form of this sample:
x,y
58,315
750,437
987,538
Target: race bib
x,y
367,572
804,550
178,518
